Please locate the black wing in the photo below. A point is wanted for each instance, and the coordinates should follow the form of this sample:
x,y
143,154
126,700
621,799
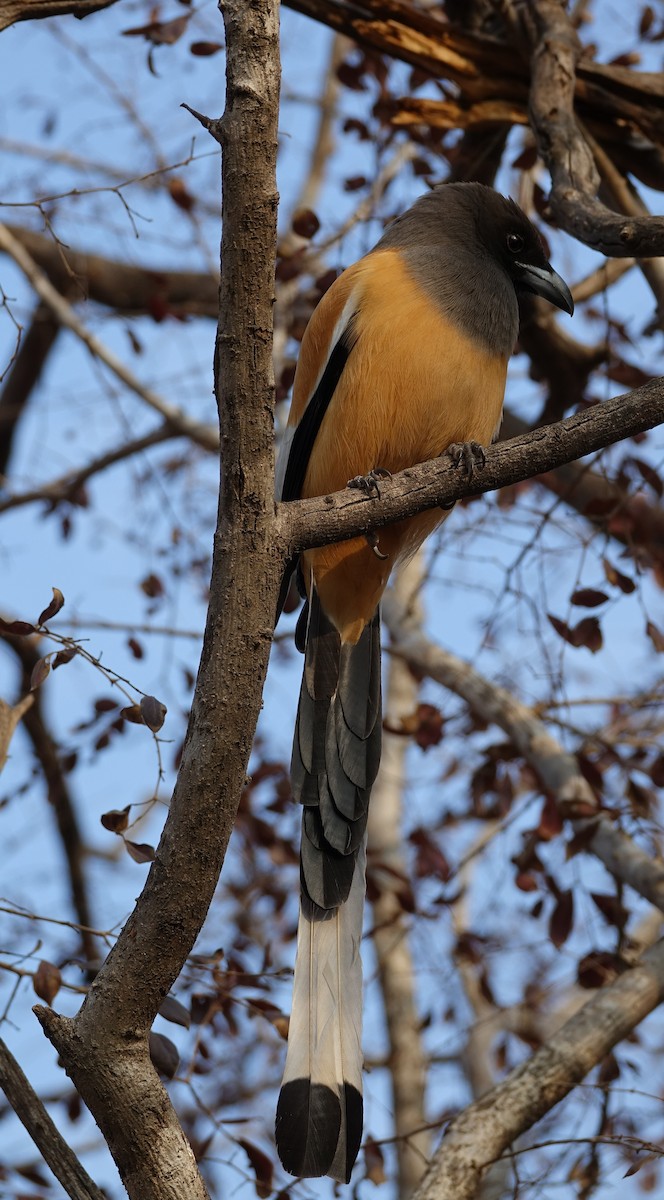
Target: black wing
x,y
306,433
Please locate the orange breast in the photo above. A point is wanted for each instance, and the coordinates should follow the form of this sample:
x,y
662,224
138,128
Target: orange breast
x,y
413,384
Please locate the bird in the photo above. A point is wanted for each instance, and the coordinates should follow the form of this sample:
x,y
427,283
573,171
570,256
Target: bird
x,y
403,359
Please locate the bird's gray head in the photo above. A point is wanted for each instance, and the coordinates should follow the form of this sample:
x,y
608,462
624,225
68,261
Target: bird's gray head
x,y
476,253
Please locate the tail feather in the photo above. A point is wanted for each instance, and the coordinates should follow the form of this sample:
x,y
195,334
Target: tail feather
x,y
360,706
326,876
342,836
342,791
336,751
319,1114
358,757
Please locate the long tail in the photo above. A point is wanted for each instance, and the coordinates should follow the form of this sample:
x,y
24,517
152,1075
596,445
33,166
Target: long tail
x,y
336,752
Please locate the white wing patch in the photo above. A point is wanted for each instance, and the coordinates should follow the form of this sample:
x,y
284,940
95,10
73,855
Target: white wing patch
x,y
289,432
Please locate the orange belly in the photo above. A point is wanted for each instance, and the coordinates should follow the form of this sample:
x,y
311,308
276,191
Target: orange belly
x,y
413,384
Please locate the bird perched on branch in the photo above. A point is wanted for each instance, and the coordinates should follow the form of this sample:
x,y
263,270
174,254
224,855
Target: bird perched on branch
x,y
404,358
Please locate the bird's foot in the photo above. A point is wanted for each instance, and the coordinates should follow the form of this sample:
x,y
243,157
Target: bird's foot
x,y
372,541
369,483
468,457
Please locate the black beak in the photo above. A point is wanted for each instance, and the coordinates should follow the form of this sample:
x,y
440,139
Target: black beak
x,y
545,282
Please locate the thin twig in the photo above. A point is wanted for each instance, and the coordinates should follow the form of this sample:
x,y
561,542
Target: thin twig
x,y
204,435
66,487
556,768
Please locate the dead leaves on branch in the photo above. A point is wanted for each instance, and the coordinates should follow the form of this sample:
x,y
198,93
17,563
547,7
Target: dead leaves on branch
x,y
53,608
107,719
617,579
25,628
161,33
167,33
589,597
149,711
262,1166
587,633
17,628
164,1054
425,725
47,981
491,75
116,820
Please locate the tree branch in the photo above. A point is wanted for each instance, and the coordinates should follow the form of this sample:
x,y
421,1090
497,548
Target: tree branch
x,y
66,487
483,1131
490,71
63,311
558,359
390,933
557,770
575,179
477,1058
35,347
49,1141
104,1048
325,519
131,290
12,11
58,793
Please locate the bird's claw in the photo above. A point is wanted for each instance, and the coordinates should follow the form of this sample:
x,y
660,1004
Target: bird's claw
x,y
372,541
369,483
467,456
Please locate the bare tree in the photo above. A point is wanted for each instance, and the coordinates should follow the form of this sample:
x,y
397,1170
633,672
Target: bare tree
x,y
473,841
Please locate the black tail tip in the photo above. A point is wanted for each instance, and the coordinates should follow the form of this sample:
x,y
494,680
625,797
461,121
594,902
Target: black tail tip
x,y
311,1138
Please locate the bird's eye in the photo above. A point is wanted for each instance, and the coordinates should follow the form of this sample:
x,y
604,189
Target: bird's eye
x,y
515,243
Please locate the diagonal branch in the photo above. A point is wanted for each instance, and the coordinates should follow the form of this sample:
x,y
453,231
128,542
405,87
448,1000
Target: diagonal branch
x,y
484,1131
204,435
66,487
346,514
131,290
557,769
12,11
49,1141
